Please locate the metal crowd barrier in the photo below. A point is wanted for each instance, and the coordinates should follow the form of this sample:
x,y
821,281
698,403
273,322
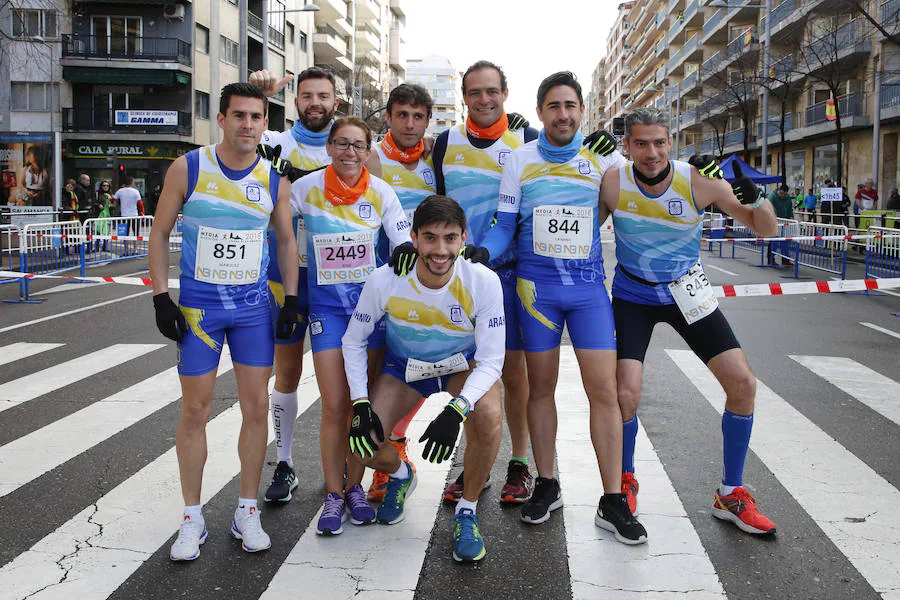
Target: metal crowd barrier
x,y
823,255
100,251
714,227
47,249
883,254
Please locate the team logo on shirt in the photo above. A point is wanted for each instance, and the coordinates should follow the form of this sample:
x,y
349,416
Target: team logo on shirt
x,y
459,158
412,315
456,313
396,179
675,208
212,187
428,176
252,192
365,211
584,167
501,157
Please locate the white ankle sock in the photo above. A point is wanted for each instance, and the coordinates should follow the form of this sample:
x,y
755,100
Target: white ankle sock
x,y
194,512
463,503
245,504
724,490
402,472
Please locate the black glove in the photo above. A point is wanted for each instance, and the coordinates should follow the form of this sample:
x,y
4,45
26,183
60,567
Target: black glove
x,y
476,254
282,166
516,121
169,319
440,435
743,187
364,421
403,259
287,318
601,142
707,165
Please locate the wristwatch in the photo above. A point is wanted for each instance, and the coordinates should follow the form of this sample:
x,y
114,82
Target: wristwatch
x,y
461,405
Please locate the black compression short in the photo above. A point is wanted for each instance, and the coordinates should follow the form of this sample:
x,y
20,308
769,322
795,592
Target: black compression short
x,y
707,337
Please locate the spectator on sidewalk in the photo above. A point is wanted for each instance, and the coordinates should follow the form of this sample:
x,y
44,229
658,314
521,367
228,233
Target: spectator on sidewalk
x,y
866,196
84,193
153,199
130,206
810,202
893,202
782,203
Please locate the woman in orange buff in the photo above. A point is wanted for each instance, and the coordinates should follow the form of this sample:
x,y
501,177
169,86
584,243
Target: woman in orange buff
x,y
345,210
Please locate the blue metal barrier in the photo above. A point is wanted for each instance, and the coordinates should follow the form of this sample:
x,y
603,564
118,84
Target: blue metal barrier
x,y
883,255
47,249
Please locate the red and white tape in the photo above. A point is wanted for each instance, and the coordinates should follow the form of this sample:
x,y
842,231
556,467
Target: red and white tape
x,y
804,238
722,291
78,236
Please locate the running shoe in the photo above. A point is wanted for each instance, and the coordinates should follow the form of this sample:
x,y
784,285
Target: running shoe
x,y
630,489
614,514
361,512
284,481
380,478
390,510
468,545
546,498
190,536
247,528
333,515
519,484
739,507
454,491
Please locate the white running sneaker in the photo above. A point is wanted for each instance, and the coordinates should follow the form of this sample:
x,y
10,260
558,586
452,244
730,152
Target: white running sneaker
x,y
248,529
191,534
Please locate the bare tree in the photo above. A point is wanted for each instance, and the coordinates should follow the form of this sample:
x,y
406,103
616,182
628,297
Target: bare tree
x,y
23,44
370,96
735,89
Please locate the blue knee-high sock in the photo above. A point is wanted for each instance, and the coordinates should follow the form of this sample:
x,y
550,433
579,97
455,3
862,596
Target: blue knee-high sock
x,y
629,437
735,442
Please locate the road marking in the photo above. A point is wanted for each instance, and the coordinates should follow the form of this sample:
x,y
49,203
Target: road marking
x,y
379,561
20,350
73,312
851,503
32,455
720,269
873,389
102,546
68,287
881,329
673,558
59,376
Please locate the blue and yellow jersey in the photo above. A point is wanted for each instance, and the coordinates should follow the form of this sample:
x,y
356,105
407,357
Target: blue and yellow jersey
x,y
465,317
341,239
411,186
472,178
657,238
304,157
226,213
555,208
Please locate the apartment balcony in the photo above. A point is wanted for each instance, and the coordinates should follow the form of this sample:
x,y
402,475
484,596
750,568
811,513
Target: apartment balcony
x,y
734,139
662,46
711,65
691,83
890,101
774,129
368,10
342,26
675,62
848,106
255,24
781,72
789,16
690,16
848,46
108,121
125,51
328,45
890,15
661,74
687,151
367,40
397,7
329,10
676,6
661,102
708,145
689,118
397,60
715,28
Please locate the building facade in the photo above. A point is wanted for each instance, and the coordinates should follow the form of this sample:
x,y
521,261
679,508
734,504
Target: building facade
x,y
708,67
437,75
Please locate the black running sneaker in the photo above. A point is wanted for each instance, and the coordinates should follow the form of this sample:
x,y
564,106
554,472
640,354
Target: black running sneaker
x,y
284,481
546,498
614,515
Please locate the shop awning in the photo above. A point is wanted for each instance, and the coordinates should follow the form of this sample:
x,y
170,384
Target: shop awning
x,y
123,76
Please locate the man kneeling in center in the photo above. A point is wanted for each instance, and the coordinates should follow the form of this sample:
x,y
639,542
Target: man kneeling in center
x,y
445,332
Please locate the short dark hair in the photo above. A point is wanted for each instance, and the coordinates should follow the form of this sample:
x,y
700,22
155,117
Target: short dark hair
x,y
241,90
129,180
348,121
484,64
784,188
316,73
412,94
438,209
560,78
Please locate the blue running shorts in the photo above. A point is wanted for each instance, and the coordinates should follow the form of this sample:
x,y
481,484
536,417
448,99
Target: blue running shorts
x,y
247,329
327,327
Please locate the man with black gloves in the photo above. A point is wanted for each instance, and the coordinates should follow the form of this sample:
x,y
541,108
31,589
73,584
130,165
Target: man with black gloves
x,y
228,196
453,341
657,207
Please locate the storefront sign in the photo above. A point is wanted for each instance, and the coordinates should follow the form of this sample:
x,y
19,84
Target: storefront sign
x,y
20,216
146,117
124,150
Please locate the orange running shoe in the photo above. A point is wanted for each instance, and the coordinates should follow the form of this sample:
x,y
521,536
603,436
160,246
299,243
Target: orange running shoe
x,y
739,507
630,489
380,478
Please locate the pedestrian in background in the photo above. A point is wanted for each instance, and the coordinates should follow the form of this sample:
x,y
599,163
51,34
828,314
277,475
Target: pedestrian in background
x,y
866,196
130,205
70,202
102,207
153,199
810,202
893,202
84,193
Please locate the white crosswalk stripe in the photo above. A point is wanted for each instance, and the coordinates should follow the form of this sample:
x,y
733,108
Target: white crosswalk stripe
x,y
854,506
59,376
20,350
873,389
111,538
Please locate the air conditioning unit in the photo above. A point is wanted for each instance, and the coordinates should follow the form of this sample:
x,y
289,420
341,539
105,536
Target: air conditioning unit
x,y
173,11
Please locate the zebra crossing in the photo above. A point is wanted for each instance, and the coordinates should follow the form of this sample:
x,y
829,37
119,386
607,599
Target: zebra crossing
x,y
122,535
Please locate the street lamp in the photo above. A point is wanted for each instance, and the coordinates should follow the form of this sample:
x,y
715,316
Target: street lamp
x,y
767,14
265,28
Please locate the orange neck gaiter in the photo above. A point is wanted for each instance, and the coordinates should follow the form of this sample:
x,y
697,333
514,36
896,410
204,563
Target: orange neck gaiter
x,y
337,192
393,151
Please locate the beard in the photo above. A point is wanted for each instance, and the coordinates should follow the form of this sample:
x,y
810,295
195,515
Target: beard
x,y
317,124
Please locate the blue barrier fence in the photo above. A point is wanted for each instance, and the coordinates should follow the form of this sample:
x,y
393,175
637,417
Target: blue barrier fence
x,y
883,255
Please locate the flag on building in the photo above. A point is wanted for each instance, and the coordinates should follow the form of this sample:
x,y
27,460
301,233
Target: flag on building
x,y
830,110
